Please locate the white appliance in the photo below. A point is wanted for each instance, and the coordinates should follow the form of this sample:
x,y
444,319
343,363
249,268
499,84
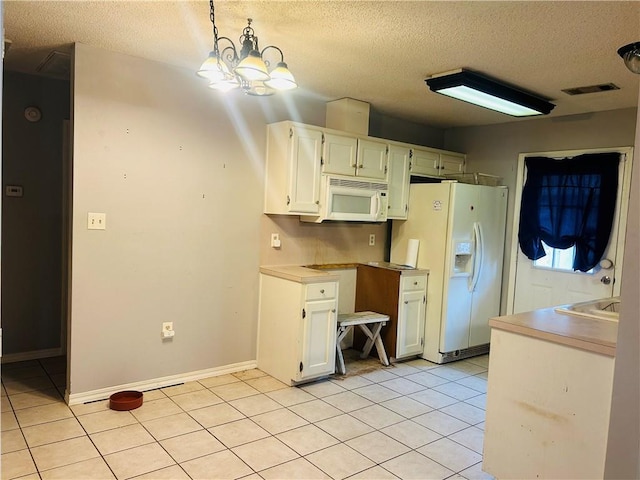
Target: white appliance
x,y
351,200
460,229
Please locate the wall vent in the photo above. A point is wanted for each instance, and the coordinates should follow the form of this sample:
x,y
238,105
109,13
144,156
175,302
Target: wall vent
x,y
603,87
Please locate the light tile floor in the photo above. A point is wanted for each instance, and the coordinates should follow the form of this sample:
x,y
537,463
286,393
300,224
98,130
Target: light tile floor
x,y
411,420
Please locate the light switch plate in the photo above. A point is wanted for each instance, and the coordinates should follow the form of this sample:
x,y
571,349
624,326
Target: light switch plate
x,y
96,221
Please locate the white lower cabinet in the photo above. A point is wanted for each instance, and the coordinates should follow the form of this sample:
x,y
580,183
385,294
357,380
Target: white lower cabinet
x,y
297,326
411,316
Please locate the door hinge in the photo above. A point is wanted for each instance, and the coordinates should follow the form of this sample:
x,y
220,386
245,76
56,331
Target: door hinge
x,y
321,161
410,165
323,138
290,132
304,314
301,366
288,200
387,150
424,299
410,153
422,342
385,169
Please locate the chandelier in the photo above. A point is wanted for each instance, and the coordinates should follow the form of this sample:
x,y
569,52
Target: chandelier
x,y
226,70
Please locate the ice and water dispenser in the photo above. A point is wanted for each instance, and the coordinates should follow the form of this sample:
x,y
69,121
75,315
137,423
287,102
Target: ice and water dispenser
x,y
463,259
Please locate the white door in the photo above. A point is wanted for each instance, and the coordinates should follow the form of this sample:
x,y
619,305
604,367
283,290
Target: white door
x,y
339,154
318,349
491,218
304,181
372,159
398,161
459,268
410,324
550,281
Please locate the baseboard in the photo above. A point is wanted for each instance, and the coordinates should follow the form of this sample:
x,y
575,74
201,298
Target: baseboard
x,y
33,355
104,393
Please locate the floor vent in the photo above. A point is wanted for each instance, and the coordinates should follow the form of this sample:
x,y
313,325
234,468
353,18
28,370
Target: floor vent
x,y
603,87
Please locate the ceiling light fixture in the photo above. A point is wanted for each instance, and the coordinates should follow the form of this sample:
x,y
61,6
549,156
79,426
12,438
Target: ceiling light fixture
x,y
226,69
486,92
631,56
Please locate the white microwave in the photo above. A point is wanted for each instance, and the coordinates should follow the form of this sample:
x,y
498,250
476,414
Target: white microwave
x,y
350,200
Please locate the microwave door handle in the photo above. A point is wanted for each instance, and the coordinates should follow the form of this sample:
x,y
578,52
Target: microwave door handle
x,y
377,205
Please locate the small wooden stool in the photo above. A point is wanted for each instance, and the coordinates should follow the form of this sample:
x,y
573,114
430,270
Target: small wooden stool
x,y
346,321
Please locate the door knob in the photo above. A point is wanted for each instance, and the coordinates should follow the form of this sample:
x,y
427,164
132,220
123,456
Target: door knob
x,y
606,279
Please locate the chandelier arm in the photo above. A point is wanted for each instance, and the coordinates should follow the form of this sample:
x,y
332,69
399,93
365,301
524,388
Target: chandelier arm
x,y
275,48
233,58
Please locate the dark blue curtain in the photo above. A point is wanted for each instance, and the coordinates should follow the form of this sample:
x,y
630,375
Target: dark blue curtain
x,y
569,202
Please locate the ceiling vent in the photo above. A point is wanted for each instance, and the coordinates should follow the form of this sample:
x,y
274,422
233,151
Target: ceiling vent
x,y
56,64
603,87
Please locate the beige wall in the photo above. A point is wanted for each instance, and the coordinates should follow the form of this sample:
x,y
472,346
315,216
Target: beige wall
x,y
309,243
178,172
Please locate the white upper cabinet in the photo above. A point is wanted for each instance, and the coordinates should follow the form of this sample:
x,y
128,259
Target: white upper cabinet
x,y
398,181
424,162
451,163
293,169
435,163
299,155
339,154
348,155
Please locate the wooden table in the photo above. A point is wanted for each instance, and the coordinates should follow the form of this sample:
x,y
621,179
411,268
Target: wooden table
x,y
346,321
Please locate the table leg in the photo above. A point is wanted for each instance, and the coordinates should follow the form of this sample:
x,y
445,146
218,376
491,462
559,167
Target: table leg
x,y
382,354
340,367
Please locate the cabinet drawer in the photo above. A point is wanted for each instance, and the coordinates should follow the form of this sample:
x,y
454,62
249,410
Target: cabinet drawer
x,y
413,282
321,291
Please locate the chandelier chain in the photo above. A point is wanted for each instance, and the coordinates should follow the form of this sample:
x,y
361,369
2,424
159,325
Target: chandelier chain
x,y
212,17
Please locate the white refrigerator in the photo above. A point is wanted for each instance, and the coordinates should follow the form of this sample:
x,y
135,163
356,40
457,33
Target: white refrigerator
x,y
460,229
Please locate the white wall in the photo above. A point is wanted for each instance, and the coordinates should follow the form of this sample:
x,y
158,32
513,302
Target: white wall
x,y
494,149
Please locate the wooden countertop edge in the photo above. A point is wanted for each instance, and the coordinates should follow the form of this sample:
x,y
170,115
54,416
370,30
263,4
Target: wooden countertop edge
x,y
604,348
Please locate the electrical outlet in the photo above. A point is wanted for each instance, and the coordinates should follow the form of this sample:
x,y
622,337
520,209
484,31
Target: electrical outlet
x,y
96,221
275,240
167,330
372,239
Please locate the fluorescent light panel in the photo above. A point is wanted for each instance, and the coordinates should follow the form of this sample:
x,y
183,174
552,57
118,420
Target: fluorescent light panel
x,y
486,92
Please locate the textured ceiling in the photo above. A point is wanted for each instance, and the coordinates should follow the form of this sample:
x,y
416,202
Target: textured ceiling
x,y
379,52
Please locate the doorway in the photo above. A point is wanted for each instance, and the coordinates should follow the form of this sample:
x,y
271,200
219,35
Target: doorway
x,y
551,281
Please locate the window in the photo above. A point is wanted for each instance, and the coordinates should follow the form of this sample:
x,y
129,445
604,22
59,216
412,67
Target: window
x,y
557,259
569,204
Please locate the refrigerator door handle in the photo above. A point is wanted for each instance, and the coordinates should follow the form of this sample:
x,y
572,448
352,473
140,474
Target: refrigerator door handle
x,y
477,255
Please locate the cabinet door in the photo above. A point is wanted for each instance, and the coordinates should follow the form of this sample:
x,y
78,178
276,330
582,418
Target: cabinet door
x,y
451,164
398,161
372,159
339,154
318,339
304,178
425,162
411,311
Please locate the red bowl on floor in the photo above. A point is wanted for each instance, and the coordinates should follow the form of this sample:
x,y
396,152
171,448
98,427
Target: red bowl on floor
x,y
126,400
